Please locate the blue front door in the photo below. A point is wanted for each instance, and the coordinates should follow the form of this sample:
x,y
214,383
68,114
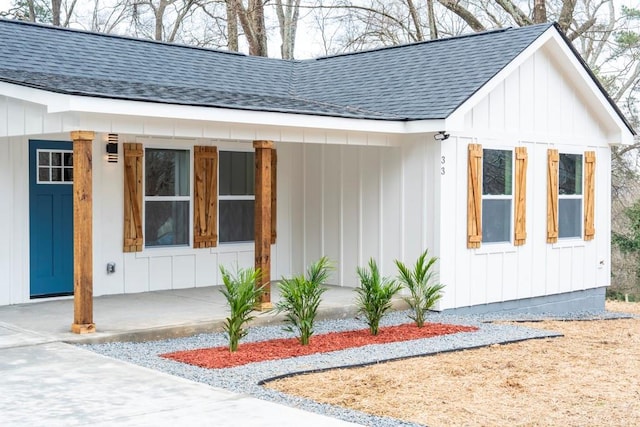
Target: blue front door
x,y
51,218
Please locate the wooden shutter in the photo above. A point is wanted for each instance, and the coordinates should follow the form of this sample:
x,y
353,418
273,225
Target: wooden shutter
x,y
552,195
589,194
520,214
274,194
474,197
133,154
205,205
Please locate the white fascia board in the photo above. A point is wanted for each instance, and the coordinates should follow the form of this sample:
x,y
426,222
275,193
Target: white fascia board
x,y
624,136
53,101
62,103
226,115
425,126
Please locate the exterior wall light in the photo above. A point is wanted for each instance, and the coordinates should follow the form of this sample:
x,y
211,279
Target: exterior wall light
x,y
112,148
441,136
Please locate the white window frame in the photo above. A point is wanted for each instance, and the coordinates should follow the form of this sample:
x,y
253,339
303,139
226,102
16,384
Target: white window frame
x,y
505,243
188,198
62,167
233,198
572,196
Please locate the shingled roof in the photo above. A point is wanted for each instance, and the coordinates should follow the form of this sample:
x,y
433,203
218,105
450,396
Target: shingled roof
x,y
427,80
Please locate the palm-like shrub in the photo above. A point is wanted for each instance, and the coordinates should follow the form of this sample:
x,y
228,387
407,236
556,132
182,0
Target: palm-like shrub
x,y
423,293
374,295
242,295
300,297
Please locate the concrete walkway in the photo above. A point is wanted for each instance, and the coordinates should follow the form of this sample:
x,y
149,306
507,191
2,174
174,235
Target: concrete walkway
x,y
46,381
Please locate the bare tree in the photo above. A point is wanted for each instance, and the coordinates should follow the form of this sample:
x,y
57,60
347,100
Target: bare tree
x,y
288,15
431,18
232,26
45,11
251,19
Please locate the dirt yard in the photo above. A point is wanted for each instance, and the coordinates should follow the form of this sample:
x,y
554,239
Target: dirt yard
x,y
591,376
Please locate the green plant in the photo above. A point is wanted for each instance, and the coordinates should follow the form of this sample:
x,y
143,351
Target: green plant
x,y
374,295
242,295
424,293
300,297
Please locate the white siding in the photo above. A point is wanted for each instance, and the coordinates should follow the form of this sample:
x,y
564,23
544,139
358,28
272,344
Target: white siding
x,y
537,108
536,103
347,195
356,203
14,223
154,268
6,220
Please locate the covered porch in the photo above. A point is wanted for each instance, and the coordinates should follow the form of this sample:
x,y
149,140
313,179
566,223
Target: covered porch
x,y
145,316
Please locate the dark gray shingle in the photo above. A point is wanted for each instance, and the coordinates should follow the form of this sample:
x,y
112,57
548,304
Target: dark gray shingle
x,y
426,80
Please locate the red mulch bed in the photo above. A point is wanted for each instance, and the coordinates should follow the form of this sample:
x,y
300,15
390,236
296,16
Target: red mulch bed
x,y
220,357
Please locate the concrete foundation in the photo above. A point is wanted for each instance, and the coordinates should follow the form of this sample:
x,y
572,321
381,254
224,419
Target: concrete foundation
x,y
585,300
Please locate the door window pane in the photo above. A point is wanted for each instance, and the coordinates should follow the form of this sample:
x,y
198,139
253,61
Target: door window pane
x,y
56,159
43,174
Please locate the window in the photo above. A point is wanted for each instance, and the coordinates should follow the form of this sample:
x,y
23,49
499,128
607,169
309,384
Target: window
x,y
497,195
236,196
55,167
167,197
570,195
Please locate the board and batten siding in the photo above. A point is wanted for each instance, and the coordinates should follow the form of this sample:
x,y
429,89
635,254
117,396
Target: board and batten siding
x,y
351,203
14,222
537,108
158,268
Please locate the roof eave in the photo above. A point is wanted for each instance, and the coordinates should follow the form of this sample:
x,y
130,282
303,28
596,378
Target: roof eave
x,y
60,103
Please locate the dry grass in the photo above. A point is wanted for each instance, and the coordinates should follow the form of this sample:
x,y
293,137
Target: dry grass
x,y
591,376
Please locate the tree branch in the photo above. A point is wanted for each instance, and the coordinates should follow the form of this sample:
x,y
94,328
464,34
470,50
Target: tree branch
x,y
463,13
515,12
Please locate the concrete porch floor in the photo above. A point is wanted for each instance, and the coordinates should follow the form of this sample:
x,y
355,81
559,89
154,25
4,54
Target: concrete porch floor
x,y
144,316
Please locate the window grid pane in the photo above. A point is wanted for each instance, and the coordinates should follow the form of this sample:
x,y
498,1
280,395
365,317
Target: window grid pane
x,y
166,223
496,220
570,174
237,220
55,167
497,172
569,217
166,172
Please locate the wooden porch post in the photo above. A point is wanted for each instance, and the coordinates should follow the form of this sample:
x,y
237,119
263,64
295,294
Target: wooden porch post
x,y
82,233
263,218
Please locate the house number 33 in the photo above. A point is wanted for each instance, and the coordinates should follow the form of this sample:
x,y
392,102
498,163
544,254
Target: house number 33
x,y
443,160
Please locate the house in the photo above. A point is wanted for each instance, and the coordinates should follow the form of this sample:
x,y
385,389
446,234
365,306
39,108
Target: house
x,y
492,150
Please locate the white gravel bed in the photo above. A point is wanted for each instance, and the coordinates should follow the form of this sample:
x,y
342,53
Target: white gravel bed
x,y
246,378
